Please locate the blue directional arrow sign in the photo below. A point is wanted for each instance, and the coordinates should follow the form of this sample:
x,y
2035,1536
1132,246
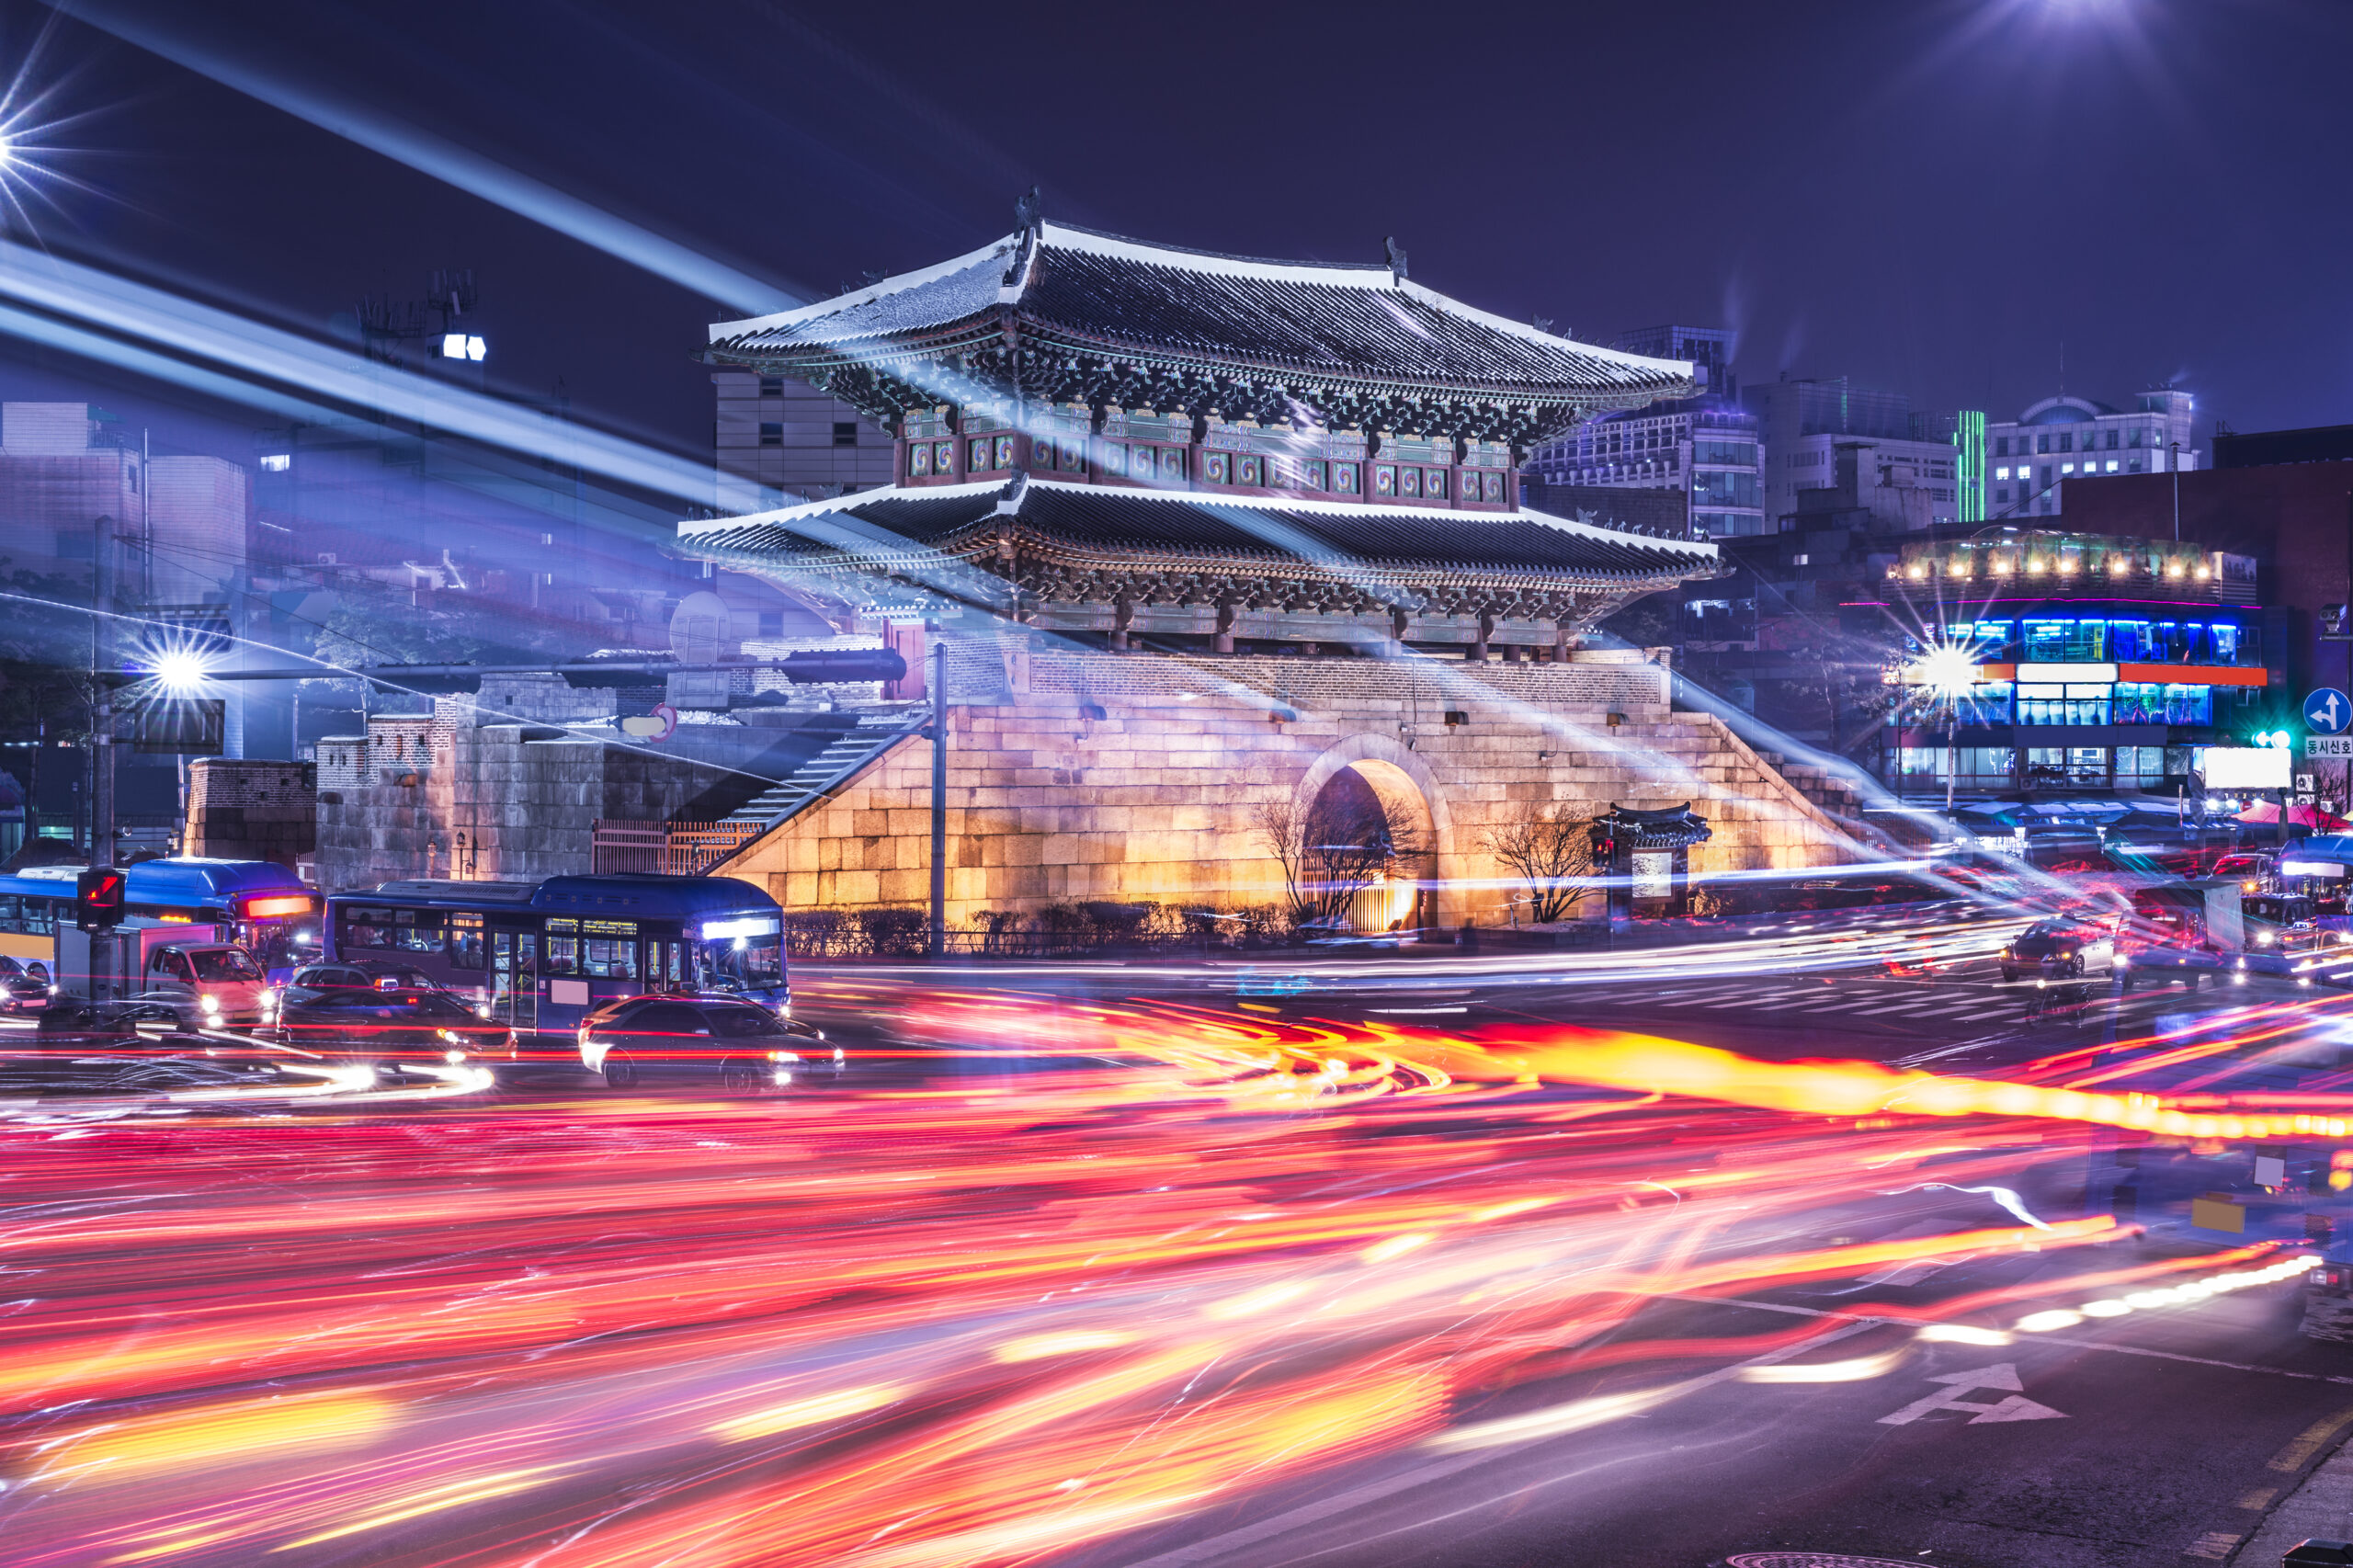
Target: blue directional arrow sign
x,y
2327,711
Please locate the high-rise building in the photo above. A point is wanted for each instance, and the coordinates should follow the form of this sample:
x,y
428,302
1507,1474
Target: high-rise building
x,y
1904,465
776,438
2031,458
1704,448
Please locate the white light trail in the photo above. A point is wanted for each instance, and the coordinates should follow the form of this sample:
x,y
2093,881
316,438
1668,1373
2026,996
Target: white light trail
x,y
442,159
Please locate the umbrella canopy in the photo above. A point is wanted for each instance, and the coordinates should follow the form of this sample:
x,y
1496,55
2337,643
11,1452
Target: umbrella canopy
x,y
2268,811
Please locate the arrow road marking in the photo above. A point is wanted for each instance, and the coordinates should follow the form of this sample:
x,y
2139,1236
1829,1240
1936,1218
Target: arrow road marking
x,y
2001,1378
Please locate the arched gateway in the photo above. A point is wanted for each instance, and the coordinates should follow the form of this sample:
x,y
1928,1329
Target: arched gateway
x,y
1206,534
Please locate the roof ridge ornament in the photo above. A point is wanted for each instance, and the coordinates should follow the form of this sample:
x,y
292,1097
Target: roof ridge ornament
x,y
1396,255
1028,217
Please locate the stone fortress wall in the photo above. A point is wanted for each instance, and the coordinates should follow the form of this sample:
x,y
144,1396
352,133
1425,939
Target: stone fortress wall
x,y
1135,777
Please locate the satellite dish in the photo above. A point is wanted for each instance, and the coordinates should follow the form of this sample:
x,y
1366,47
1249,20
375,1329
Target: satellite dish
x,y
699,628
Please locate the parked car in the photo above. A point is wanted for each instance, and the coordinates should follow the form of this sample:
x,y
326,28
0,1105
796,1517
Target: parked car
x,y
209,985
2060,950
407,1023
738,1045
25,985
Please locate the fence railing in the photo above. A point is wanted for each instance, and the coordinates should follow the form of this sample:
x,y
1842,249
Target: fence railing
x,y
666,848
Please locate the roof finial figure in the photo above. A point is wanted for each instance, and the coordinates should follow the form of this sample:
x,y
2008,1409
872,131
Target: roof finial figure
x,y
1027,210
1396,257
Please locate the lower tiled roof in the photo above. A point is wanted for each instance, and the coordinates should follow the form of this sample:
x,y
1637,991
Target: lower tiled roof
x,y
1180,524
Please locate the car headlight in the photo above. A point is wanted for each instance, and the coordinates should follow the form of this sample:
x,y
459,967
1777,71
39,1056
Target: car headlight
x,y
2263,939
451,1037
210,1004
784,1056
453,1057
2066,952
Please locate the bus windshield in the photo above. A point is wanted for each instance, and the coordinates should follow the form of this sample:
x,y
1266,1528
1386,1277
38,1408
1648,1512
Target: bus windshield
x,y
745,963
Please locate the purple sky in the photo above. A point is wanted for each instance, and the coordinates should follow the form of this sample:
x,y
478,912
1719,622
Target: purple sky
x,y
1934,196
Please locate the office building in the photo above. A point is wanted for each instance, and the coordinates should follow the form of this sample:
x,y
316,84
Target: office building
x,y
1905,464
776,439
2032,458
1704,449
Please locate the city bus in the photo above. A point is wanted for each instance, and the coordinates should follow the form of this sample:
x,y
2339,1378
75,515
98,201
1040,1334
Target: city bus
x,y
255,904
539,956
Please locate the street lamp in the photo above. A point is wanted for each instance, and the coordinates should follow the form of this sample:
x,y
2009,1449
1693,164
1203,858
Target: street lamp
x,y
181,672
1946,671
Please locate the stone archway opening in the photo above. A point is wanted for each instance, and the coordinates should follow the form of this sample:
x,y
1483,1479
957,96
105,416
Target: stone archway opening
x,y
1373,843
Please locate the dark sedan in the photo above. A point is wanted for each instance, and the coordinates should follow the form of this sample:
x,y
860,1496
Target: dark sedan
x,y
404,1024
25,985
740,1046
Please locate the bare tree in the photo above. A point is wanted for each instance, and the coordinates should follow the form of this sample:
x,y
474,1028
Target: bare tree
x,y
1347,841
1282,825
1551,852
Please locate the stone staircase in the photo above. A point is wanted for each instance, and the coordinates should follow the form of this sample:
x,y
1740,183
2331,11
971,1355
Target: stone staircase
x,y
1833,793
843,757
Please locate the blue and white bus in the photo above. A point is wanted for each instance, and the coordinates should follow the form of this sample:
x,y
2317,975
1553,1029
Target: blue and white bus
x,y
259,906
539,955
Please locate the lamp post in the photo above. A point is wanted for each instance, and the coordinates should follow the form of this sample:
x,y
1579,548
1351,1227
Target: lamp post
x,y
1948,671
938,799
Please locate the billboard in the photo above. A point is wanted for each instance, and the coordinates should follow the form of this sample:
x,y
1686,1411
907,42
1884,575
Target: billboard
x,y
2244,768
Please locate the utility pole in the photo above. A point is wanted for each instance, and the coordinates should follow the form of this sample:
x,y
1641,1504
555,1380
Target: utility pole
x,y
938,796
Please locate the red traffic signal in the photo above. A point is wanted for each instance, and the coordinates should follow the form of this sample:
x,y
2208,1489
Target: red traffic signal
x,y
98,899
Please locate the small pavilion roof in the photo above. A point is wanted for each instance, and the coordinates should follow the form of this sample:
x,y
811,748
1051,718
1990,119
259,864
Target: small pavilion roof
x,y
1126,298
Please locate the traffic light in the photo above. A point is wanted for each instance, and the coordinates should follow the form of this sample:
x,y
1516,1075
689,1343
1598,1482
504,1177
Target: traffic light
x,y
97,898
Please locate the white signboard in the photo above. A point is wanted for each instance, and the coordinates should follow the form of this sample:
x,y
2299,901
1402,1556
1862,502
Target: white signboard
x,y
2076,675
2328,745
1655,873
2244,768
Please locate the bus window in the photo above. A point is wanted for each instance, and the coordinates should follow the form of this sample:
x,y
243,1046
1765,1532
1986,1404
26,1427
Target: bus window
x,y
413,933
367,929
563,948
465,942
609,948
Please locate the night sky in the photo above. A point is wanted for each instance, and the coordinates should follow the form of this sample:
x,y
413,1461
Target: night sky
x,y
1939,196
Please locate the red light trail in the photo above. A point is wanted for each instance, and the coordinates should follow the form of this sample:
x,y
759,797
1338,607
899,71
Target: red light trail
x,y
973,1322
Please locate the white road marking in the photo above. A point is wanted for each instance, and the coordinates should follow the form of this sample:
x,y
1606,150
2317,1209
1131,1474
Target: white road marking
x,y
2001,1378
2038,1339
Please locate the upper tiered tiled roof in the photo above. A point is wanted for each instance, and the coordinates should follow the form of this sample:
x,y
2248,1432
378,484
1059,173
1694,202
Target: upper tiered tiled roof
x,y
1064,314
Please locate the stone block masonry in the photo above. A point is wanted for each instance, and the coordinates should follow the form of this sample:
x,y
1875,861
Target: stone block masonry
x,y
241,808
1135,776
